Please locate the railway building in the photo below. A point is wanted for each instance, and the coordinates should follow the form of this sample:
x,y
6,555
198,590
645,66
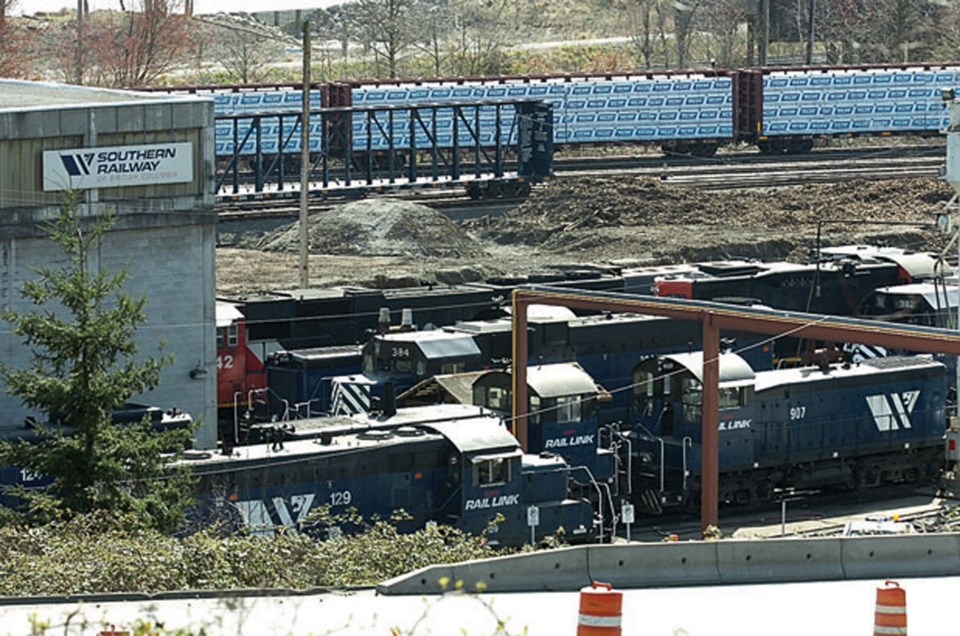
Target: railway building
x,y
148,159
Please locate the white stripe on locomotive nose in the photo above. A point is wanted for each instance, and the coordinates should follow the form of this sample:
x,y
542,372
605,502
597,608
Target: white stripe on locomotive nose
x,y
891,631
599,621
891,609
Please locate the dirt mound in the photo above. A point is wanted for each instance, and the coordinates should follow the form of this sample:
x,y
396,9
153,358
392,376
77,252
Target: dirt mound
x,y
617,222
578,214
378,227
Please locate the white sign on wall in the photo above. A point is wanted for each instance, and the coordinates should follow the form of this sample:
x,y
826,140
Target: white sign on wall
x,y
86,168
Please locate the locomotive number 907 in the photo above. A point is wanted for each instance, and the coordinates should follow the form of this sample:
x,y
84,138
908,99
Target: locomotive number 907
x,y
798,412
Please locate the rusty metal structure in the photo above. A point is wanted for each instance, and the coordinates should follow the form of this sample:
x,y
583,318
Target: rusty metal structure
x,y
713,318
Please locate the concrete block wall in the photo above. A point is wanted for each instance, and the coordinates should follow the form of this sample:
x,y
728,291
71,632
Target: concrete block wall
x,y
173,267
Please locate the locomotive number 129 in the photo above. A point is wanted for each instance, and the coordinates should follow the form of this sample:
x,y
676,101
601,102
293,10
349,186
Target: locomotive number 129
x,y
341,498
798,412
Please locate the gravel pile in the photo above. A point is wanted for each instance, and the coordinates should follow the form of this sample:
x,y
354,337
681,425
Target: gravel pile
x,y
378,227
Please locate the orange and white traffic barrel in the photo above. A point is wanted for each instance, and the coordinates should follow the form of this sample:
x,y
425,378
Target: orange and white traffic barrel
x,y
600,610
890,618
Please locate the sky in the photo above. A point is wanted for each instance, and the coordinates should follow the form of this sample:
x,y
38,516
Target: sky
x,y
29,7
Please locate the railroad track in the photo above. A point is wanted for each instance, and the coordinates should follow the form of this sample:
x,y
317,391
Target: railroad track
x,y
820,515
722,172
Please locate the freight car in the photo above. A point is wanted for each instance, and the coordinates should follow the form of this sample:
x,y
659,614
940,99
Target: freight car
x,y
836,284
844,425
778,109
465,470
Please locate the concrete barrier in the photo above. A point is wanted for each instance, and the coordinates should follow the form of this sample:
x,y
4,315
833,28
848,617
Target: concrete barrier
x,y
655,564
776,560
428,580
693,563
550,571
882,557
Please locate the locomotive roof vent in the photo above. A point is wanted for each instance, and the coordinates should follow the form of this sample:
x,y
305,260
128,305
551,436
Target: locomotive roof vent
x,y
196,455
409,431
375,434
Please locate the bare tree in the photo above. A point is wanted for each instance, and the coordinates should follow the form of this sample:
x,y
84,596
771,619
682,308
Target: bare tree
x,y
13,56
432,18
726,24
684,21
639,19
844,26
904,30
481,32
245,51
387,28
137,47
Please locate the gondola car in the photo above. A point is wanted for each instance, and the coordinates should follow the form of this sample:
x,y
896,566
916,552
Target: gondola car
x,y
843,425
468,472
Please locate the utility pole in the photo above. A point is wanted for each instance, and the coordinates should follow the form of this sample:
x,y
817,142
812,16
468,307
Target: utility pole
x,y
811,31
763,37
79,75
305,160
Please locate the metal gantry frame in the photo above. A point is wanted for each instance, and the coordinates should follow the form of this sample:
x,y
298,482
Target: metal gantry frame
x,y
713,317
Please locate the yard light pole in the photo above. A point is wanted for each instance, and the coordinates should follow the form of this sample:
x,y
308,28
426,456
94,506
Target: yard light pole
x,y
951,175
305,160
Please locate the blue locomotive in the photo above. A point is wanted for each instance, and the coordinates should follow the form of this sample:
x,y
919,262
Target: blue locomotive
x,y
449,464
848,425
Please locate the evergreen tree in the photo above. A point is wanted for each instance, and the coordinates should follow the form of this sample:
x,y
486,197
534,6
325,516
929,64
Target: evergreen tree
x,y
85,366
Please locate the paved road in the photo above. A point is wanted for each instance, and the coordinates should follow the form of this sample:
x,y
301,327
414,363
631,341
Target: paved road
x,y
829,609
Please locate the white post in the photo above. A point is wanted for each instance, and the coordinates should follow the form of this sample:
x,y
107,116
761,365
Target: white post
x,y
783,517
952,176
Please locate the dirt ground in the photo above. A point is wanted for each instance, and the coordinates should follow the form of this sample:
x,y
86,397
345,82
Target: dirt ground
x,y
615,222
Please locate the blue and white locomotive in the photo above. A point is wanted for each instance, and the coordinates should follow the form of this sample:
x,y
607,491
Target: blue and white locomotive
x,y
846,425
447,464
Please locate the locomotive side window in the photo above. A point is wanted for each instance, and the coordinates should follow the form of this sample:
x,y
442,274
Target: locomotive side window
x,y
691,398
534,416
644,382
453,367
227,336
491,472
731,398
497,399
568,409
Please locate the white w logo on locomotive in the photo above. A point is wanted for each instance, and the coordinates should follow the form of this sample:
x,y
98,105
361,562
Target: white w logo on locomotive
x,y
891,411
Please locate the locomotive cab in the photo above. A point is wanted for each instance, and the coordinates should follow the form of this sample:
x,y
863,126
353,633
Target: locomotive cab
x,y
397,361
498,484
668,409
563,412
